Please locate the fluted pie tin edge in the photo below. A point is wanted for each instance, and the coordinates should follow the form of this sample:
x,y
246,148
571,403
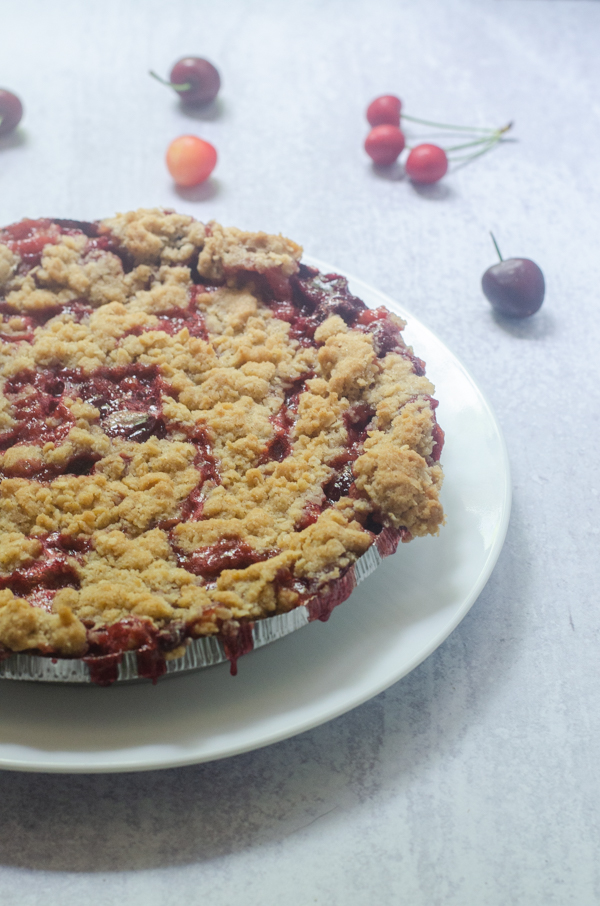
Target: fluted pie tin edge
x,y
206,651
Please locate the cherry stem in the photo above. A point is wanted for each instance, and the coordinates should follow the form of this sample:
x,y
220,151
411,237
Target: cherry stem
x,y
496,245
183,87
487,146
479,141
488,143
496,136
416,119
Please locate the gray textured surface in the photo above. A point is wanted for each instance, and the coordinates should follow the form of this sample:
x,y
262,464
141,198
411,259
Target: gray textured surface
x,y
474,780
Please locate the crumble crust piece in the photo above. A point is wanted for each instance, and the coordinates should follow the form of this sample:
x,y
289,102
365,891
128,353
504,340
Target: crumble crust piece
x,y
195,430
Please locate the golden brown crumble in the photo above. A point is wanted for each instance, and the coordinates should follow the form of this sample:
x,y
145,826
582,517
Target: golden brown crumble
x,y
132,507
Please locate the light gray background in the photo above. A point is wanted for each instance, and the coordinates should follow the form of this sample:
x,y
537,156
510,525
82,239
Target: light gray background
x,y
475,779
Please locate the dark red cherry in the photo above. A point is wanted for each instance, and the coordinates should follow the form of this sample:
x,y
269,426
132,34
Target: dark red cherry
x,y
202,77
11,111
515,287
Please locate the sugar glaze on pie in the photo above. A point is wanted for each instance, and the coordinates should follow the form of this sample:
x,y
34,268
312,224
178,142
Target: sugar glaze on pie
x,y
197,431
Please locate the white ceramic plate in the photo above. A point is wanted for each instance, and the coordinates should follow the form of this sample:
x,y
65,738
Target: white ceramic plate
x,y
397,617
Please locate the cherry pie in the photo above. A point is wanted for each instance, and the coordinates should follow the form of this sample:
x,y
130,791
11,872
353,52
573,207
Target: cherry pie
x,y
197,431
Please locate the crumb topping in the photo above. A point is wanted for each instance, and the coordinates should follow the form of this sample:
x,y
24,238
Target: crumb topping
x,y
194,429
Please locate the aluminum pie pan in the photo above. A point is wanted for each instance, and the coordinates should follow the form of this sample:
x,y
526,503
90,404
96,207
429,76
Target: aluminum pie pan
x,y
206,651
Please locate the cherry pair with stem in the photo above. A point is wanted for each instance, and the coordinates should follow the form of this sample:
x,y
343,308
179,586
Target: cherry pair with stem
x,y
426,163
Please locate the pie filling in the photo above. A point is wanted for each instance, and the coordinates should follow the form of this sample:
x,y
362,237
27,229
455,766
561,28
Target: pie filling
x,y
197,431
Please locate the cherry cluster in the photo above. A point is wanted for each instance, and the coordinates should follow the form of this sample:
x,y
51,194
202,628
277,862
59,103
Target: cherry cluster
x,y
426,163
385,142
515,287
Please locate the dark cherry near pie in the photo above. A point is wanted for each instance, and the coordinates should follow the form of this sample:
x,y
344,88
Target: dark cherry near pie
x,y
197,431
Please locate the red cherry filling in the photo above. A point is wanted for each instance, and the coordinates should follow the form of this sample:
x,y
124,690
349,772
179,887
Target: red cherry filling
x,y
52,572
356,420
228,553
129,399
438,438
107,645
369,315
28,238
339,484
205,462
40,417
40,582
280,445
310,514
77,309
208,469
437,434
9,334
237,641
320,606
322,295
191,510
316,296
387,337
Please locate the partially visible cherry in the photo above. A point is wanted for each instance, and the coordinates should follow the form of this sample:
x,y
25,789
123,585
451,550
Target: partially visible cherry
x,y
515,286
195,80
11,111
385,109
384,143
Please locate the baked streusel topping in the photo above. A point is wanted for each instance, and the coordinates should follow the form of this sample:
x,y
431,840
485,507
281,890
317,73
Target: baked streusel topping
x,y
196,431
